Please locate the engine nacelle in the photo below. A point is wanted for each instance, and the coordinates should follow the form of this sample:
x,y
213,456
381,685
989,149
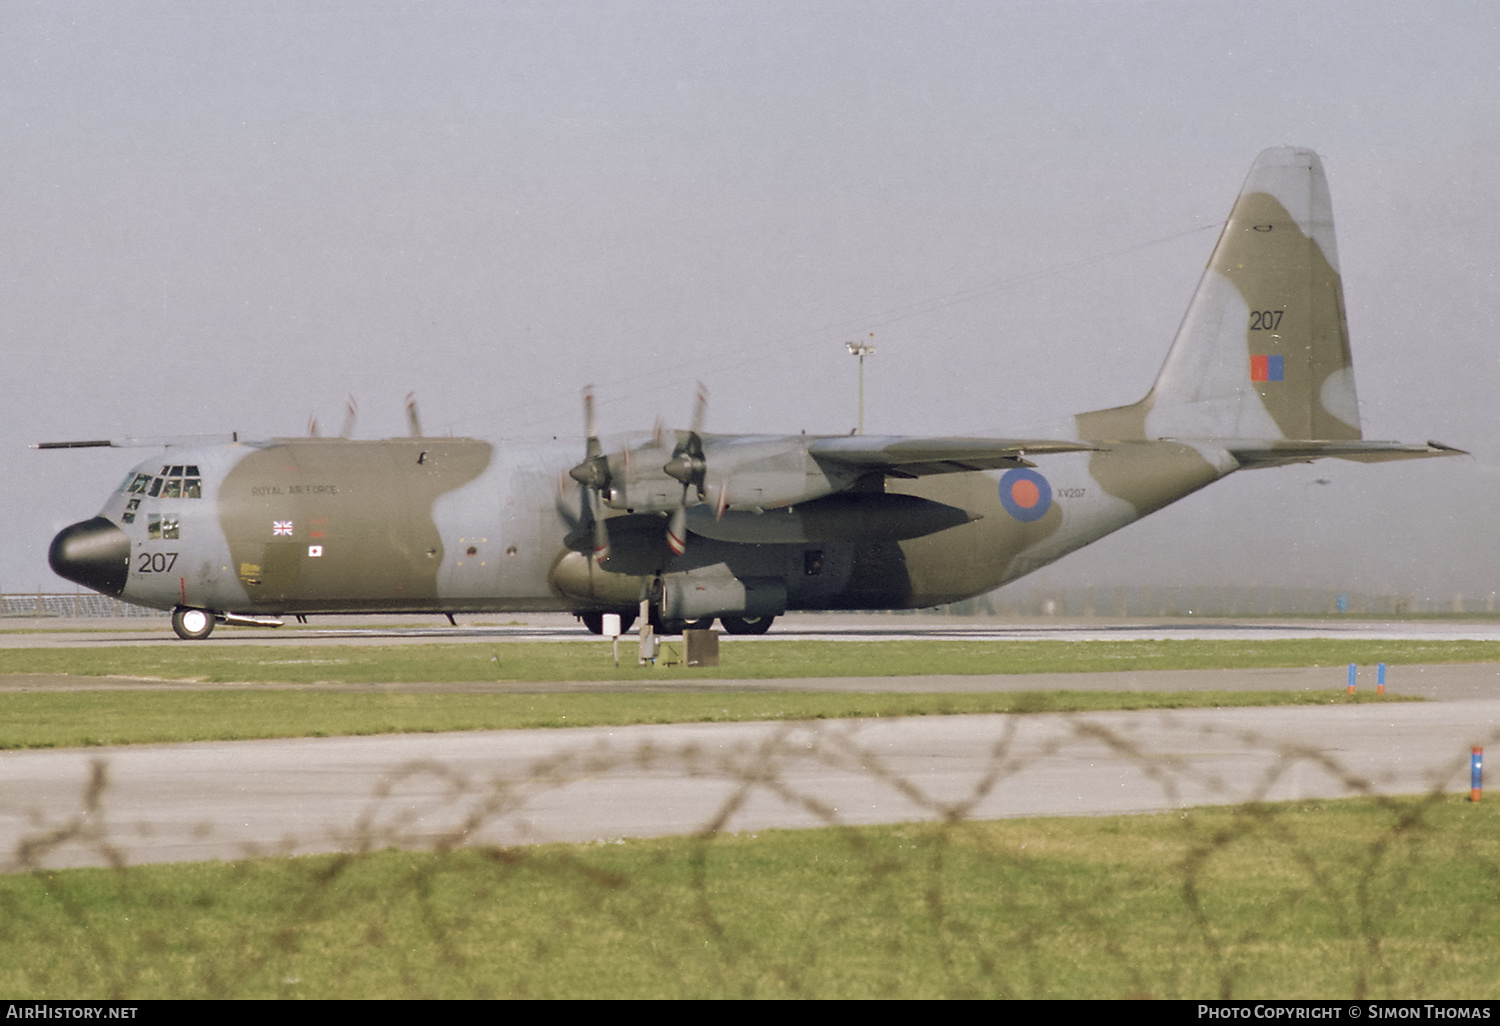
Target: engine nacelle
x,y
750,472
695,596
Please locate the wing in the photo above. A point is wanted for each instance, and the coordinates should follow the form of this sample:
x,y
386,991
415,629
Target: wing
x,y
901,456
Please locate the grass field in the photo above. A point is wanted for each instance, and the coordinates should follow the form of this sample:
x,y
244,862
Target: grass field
x,y
47,719
752,659
87,718
1345,899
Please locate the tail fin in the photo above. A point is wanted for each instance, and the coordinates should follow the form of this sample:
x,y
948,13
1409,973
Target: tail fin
x,y
1263,352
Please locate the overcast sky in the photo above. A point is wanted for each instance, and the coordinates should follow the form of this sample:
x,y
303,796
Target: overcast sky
x,y
224,217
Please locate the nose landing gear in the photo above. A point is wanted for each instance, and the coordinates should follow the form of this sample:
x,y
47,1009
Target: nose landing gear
x,y
192,624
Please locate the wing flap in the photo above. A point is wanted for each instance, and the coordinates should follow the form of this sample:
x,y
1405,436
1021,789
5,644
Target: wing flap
x,y
903,456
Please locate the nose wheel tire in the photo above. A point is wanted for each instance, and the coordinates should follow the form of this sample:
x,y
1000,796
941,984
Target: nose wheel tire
x,y
192,624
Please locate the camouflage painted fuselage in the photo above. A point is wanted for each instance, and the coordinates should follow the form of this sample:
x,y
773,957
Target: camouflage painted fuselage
x,y
454,524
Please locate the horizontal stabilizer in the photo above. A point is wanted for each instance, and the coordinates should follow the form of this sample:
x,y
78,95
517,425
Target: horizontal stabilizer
x,y
918,457
1281,453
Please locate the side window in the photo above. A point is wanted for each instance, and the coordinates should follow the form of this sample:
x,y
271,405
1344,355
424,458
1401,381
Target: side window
x,y
161,527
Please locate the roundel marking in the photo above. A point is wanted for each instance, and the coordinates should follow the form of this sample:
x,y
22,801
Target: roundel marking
x,y
1025,494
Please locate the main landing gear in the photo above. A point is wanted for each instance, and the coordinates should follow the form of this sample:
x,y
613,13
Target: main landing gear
x,y
747,624
732,624
192,624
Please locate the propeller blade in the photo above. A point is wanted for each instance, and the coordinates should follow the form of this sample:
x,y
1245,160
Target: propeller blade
x,y
312,426
677,531
688,466
687,463
593,472
590,425
593,475
601,532
351,413
411,415
700,410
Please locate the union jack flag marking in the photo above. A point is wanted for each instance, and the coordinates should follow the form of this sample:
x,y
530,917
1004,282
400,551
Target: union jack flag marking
x,y
281,527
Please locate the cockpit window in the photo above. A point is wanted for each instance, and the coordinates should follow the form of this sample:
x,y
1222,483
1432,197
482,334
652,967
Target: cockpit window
x,y
177,481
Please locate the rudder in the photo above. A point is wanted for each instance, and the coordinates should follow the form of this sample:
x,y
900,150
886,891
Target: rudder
x,y
1263,351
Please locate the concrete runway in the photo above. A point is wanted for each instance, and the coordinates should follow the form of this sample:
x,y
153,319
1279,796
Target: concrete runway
x,y
163,803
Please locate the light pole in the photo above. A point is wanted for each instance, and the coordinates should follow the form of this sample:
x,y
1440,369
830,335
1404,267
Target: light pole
x,y
861,350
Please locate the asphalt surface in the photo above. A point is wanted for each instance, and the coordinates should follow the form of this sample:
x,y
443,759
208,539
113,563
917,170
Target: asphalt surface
x,y
162,803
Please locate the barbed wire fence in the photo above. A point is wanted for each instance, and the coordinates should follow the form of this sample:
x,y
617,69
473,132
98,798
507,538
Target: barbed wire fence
x,y
426,886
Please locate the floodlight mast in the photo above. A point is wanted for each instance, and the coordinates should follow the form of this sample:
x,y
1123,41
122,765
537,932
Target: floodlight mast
x,y
861,350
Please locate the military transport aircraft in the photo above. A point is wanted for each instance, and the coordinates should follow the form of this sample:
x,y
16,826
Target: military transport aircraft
x,y
687,526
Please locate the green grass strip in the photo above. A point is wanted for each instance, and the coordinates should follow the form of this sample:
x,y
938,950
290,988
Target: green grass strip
x,y
72,719
1354,899
763,658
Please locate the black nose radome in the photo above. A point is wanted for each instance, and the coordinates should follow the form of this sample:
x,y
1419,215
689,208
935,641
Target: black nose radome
x,y
95,554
